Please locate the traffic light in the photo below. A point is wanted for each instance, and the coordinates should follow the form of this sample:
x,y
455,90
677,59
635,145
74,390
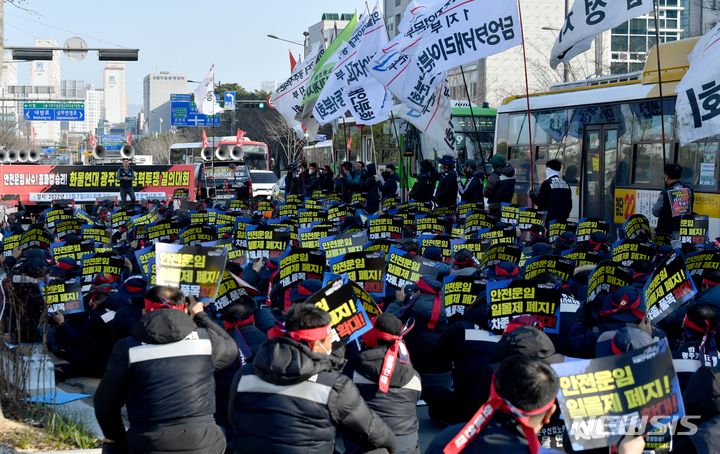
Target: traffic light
x,y
261,105
251,104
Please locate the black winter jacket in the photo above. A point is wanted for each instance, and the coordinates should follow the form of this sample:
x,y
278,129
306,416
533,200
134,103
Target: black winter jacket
x,y
124,319
424,187
473,189
327,184
447,189
397,407
502,434
389,189
372,187
164,373
421,338
666,222
130,173
288,400
555,197
311,184
500,187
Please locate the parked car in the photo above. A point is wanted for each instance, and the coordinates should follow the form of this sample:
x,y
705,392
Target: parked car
x,y
263,182
223,181
278,191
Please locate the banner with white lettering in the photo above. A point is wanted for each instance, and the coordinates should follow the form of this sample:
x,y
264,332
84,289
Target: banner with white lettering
x,y
588,18
434,118
668,288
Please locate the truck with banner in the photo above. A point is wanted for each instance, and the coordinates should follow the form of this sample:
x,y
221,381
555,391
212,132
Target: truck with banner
x,y
42,184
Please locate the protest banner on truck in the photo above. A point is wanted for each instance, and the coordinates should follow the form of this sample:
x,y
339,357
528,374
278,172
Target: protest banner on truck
x,y
195,270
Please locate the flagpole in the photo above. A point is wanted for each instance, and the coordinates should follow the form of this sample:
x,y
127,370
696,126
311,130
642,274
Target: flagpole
x,y
472,115
400,154
657,49
527,98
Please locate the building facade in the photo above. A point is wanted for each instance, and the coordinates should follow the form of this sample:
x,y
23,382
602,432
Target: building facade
x,y
44,73
321,33
115,95
157,89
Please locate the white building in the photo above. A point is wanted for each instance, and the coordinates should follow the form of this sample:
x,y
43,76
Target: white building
x,y
157,89
115,95
45,73
9,78
268,85
320,34
94,104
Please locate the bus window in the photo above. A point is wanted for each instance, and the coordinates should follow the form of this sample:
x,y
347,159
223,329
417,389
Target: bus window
x,y
518,129
648,164
698,163
501,126
552,126
647,120
518,153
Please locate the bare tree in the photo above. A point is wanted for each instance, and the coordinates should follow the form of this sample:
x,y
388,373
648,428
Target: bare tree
x,y
157,147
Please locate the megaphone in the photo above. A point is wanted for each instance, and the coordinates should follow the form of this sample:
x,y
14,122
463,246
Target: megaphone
x,y
222,153
22,155
127,152
236,153
12,155
3,156
99,152
207,154
33,155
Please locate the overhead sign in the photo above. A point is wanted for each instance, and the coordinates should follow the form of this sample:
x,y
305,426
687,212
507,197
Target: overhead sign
x,y
229,100
185,113
110,138
54,111
320,138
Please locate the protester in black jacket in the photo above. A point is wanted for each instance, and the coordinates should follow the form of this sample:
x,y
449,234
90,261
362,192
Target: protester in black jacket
x,y
164,373
393,398
472,190
312,183
132,290
523,386
424,187
289,399
326,179
239,321
447,189
554,196
500,187
668,222
701,398
371,186
392,182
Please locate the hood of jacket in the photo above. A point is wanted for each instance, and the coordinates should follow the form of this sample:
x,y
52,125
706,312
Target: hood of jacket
x,y
506,170
477,314
371,172
369,364
282,361
525,340
163,326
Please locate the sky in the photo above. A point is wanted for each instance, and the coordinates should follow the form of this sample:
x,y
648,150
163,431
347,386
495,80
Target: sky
x,y
180,36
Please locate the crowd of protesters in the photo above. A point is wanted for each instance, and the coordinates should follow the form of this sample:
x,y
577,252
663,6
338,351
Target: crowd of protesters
x,y
260,375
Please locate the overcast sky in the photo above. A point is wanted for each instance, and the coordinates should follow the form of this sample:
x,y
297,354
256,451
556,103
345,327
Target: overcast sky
x,y
180,36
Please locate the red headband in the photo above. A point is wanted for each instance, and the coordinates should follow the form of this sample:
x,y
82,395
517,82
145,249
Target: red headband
x,y
437,303
240,323
710,283
65,266
615,349
133,289
309,335
485,413
690,324
624,306
501,272
164,302
397,351
708,347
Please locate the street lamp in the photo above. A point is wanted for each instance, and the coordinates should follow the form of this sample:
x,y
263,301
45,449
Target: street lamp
x,y
286,40
566,65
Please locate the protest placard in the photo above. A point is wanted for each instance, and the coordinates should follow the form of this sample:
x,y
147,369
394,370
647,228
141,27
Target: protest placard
x,y
606,278
310,238
440,241
74,248
385,227
637,225
429,223
232,290
367,301
404,268
509,299
694,229
668,288
199,217
349,319
143,257
119,218
300,264
57,213
479,220
225,218
62,297
601,398
382,245
288,209
36,237
195,270
629,251
561,266
358,198
475,245
266,241
499,235
366,268
97,233
697,263
150,217
165,231
342,244
460,292
390,203
662,239
9,243
529,217
557,227
680,201
237,205
498,253
110,264
583,257
420,207
466,208
306,216
83,217
68,227
443,211
194,235
265,205
587,226
510,213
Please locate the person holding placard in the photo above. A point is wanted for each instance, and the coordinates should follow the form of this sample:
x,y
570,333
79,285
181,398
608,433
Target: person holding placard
x,y
674,201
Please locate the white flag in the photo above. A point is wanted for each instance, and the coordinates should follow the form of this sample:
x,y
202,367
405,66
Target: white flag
x,y
434,119
205,95
698,93
473,31
288,96
588,18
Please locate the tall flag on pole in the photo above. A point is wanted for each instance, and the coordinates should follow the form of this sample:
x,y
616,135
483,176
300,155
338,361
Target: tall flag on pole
x,y
434,119
287,96
205,141
350,85
240,136
588,18
129,138
205,95
293,62
92,140
698,102
34,136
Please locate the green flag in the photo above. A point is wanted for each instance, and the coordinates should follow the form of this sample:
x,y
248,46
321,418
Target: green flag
x,y
327,63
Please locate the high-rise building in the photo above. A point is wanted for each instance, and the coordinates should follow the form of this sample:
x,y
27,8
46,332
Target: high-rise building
x,y
157,89
9,78
78,89
115,95
268,85
45,73
321,34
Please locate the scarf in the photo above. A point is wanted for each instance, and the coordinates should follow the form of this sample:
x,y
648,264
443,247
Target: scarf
x,y
708,347
549,173
309,335
484,414
397,351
